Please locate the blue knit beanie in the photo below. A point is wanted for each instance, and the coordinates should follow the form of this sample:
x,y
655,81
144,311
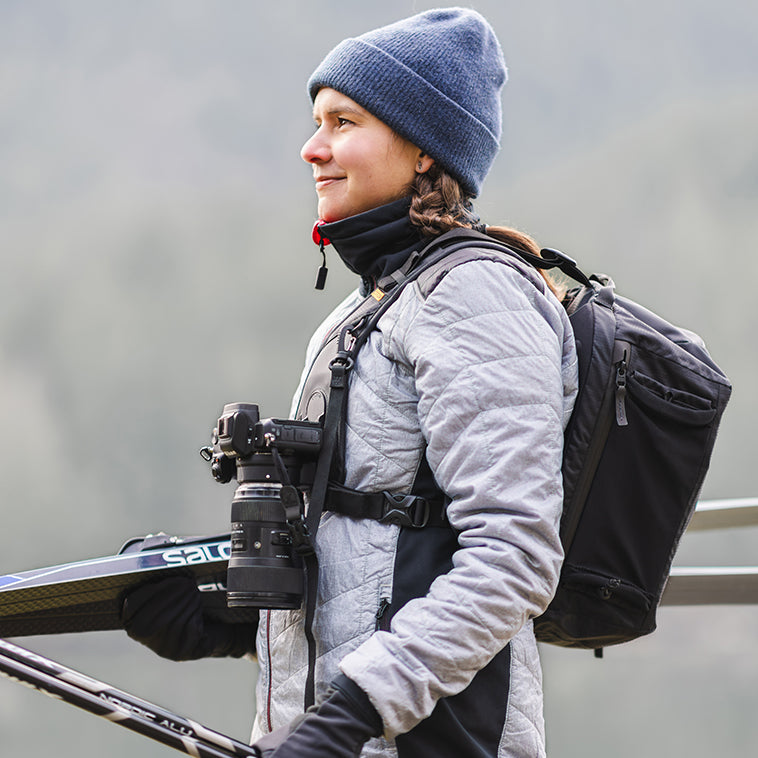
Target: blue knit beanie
x,y
435,79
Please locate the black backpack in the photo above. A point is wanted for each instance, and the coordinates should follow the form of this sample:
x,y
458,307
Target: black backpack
x,y
636,450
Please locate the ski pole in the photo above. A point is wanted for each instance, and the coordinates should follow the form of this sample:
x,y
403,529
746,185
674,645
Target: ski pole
x,y
147,719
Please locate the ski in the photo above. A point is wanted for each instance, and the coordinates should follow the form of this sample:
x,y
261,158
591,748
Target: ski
x,y
101,699
86,595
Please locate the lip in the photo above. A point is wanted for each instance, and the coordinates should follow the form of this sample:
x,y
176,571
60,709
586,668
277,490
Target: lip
x,y
326,181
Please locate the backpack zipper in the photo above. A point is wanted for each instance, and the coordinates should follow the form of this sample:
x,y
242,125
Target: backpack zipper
x,y
614,405
621,365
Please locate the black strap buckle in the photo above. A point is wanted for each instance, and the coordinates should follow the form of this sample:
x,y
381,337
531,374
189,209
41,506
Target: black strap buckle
x,y
298,529
301,538
405,510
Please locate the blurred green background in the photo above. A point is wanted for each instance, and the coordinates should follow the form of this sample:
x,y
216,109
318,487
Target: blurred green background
x,y
156,263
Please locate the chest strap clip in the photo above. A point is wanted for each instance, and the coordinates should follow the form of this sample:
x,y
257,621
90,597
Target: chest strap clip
x,y
411,511
405,510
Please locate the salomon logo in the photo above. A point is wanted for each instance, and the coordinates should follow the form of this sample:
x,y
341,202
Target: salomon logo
x,y
184,556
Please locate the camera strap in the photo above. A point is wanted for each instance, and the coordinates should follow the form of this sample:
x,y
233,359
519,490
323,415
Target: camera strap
x,y
340,368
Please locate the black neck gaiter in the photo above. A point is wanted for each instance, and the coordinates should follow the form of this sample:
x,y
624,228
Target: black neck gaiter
x,y
375,243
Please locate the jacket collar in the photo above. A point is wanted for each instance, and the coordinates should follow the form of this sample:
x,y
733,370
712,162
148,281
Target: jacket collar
x,y
375,243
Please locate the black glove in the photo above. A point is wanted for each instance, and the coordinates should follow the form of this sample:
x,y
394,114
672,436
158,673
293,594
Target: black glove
x,y
337,728
167,616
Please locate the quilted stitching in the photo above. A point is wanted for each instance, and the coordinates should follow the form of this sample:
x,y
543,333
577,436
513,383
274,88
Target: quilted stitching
x,y
436,371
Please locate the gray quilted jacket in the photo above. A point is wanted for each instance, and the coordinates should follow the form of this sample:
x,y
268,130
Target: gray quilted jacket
x,y
434,624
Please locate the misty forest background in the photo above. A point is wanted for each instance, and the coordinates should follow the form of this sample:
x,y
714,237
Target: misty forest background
x,y
155,223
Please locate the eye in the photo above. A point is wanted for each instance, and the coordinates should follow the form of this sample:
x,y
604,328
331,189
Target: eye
x,y
341,121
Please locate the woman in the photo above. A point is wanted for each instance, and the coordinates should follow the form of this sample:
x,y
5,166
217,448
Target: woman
x,y
423,636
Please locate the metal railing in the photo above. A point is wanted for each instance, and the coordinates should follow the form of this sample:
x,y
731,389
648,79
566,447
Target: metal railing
x,y
717,585
686,586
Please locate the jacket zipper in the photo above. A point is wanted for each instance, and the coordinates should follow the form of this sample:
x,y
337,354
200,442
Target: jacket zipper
x,y
268,670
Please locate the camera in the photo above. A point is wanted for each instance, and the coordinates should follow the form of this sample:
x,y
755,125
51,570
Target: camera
x,y
273,461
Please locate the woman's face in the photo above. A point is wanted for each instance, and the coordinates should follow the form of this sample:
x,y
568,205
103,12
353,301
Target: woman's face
x,y
358,162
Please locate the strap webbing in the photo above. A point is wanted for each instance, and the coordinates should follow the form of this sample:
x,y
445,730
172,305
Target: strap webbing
x,y
340,368
411,511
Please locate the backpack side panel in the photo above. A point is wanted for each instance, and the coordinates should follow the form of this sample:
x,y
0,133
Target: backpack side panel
x,y
657,426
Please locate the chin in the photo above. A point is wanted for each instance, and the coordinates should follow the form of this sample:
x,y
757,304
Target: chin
x,y
330,215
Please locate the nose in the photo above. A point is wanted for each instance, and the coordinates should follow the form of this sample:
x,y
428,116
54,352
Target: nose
x,y
315,149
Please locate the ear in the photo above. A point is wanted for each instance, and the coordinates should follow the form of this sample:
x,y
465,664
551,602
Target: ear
x,y
423,163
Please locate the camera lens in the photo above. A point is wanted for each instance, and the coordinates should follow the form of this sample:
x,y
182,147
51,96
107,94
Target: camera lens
x,y
264,571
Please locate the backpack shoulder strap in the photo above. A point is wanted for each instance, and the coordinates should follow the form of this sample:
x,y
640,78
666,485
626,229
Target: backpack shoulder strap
x,y
548,259
437,258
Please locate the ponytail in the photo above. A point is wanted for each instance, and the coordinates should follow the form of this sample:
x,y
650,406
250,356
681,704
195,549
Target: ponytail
x,y
438,204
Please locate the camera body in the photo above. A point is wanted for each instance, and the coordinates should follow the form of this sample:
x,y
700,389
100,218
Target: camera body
x,y
273,461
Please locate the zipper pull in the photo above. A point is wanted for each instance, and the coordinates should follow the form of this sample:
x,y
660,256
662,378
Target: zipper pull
x,y
607,590
320,240
621,418
384,605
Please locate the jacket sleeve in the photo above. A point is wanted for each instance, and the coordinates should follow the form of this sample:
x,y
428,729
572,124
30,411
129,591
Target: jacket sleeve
x,y
493,361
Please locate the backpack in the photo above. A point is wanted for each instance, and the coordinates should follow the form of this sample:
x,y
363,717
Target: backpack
x,y
636,449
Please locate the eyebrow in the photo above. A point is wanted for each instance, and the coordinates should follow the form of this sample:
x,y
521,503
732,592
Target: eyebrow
x,y
340,109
